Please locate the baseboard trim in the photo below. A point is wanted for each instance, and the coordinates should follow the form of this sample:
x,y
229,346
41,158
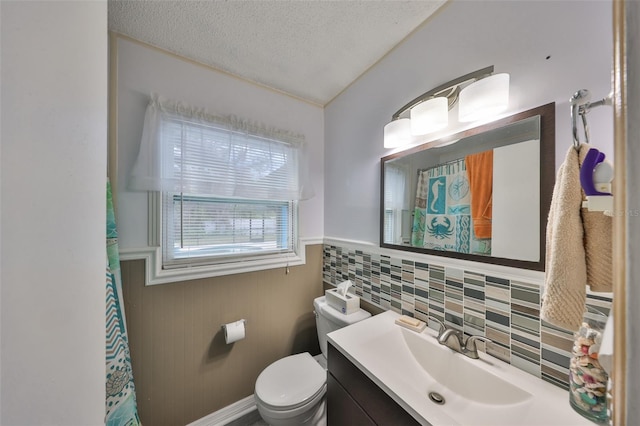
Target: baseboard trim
x,y
228,413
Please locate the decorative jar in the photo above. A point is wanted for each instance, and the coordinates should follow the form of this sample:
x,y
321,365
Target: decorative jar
x,y
587,378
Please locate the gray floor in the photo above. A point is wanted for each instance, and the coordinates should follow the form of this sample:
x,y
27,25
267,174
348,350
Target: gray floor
x,y
251,419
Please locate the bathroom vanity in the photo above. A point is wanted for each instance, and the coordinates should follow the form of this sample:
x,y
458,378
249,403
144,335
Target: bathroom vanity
x,y
384,374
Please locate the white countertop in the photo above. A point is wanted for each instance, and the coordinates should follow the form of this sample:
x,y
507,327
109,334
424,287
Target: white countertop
x,y
381,350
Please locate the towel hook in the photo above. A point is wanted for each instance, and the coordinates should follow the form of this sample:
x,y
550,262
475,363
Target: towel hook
x,y
580,105
577,101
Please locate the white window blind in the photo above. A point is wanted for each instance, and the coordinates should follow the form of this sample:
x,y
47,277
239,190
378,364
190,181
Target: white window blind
x,y
184,149
230,188
200,229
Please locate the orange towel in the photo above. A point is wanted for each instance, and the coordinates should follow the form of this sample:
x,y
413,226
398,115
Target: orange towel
x,y
480,174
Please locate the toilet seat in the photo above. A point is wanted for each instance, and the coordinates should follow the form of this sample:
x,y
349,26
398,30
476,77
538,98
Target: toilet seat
x,y
291,382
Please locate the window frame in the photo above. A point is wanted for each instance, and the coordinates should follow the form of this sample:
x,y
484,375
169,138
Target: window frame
x,y
151,255
221,259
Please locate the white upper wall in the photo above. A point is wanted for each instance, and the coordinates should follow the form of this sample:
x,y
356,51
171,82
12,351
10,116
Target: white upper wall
x,y
143,70
514,36
53,212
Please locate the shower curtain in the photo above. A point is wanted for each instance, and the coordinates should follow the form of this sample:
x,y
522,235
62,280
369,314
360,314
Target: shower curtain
x,y
121,408
442,213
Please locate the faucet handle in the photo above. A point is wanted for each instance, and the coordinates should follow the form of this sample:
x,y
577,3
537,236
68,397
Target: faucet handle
x,y
442,326
470,347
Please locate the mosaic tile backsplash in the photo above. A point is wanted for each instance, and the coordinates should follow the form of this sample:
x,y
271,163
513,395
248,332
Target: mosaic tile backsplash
x,y
503,310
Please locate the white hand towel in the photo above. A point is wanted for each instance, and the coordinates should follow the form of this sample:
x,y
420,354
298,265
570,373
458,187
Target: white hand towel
x,y
578,248
565,293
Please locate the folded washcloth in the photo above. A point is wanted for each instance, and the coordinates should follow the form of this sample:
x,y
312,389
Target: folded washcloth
x,y
598,246
578,248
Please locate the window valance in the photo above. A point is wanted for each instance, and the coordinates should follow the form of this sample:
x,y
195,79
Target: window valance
x,y
188,150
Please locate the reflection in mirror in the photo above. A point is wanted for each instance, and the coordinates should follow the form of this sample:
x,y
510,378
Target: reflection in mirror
x,y
480,195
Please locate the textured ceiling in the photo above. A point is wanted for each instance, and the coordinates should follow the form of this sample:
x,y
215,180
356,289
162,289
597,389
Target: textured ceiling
x,y
310,49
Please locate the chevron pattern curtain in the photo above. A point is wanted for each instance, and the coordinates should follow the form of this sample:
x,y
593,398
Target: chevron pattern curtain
x,y
121,407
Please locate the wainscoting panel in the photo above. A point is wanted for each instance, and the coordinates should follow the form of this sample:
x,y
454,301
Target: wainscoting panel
x,y
183,370
504,309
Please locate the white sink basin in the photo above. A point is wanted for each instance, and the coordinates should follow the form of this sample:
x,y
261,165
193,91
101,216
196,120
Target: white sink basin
x,y
459,374
409,366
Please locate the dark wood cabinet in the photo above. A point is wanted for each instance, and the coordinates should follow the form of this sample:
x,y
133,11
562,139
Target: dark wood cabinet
x,y
353,399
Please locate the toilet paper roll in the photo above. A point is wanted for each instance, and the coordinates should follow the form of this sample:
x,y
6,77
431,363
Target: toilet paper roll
x,y
233,331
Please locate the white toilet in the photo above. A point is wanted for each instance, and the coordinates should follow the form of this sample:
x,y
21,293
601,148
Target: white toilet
x,y
291,391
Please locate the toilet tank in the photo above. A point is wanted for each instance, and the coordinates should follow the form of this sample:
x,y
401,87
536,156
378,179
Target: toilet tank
x,y
329,319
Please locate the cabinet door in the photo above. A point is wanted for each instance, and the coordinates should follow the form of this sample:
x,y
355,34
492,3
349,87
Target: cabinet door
x,y
342,410
372,400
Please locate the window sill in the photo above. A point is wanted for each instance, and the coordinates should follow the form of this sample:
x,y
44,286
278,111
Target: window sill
x,y
154,274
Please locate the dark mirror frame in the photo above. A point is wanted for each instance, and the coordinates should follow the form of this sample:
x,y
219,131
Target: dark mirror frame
x,y
547,181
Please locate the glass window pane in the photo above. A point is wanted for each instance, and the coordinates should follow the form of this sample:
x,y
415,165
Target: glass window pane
x,y
199,227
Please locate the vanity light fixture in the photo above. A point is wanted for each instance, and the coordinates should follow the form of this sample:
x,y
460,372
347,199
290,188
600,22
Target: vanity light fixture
x,y
484,98
397,133
481,94
430,116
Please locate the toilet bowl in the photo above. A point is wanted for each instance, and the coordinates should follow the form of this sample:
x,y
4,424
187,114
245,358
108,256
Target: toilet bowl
x,y
291,391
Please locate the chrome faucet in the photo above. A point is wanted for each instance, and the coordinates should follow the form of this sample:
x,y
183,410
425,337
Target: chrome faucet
x,y
470,349
449,337
454,339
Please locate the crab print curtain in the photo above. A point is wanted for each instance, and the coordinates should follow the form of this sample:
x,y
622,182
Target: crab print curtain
x,y
442,213
121,408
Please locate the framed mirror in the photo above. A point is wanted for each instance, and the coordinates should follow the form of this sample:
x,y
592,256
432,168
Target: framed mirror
x,y
482,194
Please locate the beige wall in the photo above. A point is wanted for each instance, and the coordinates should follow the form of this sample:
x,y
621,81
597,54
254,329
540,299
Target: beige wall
x,y
182,367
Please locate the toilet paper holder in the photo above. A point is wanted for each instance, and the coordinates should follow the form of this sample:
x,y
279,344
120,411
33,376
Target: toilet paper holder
x,y
224,326
234,331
